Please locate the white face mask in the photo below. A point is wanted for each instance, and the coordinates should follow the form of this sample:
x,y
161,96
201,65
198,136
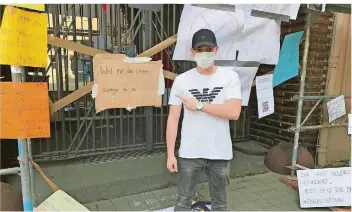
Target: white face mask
x,y
205,59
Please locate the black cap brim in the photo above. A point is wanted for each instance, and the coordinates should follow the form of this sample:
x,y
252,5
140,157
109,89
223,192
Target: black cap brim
x,y
204,43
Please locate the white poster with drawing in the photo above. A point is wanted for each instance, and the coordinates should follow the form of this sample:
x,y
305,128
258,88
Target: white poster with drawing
x,y
246,75
281,9
265,95
256,39
336,108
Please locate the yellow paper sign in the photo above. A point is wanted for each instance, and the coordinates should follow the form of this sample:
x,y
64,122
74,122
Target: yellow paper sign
x,y
39,7
23,38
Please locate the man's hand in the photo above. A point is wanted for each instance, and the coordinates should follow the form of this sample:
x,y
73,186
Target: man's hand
x,y
190,103
172,164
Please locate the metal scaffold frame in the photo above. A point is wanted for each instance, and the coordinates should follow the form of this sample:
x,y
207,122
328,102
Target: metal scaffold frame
x,y
299,126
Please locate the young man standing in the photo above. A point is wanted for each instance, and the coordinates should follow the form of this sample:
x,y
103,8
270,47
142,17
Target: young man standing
x,y
211,96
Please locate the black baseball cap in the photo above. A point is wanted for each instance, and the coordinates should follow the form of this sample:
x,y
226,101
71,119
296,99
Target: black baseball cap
x,y
203,37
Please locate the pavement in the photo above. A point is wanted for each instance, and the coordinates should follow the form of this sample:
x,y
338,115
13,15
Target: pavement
x,y
263,192
113,176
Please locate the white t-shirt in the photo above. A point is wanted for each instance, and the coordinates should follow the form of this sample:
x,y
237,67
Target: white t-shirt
x,y
203,135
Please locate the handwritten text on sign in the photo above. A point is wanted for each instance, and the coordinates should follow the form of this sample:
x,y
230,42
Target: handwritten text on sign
x,y
24,110
125,85
324,187
336,108
23,38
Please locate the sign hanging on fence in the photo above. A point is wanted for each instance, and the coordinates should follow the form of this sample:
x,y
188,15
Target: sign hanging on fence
x,y
324,187
24,110
256,39
118,84
23,38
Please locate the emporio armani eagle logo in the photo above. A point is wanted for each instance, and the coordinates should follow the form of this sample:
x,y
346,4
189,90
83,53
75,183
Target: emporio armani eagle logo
x,y
206,96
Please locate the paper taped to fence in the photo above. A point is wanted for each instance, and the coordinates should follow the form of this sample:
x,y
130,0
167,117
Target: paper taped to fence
x,y
246,76
288,64
282,9
265,95
256,39
24,110
23,38
126,85
38,7
324,187
336,108
60,201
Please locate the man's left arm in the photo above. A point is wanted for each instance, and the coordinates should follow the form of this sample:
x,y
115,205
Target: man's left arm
x,y
232,108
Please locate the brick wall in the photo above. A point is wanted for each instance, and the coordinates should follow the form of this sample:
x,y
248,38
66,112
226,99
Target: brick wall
x,y
272,129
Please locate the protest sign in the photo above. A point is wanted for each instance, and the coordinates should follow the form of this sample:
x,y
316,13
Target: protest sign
x,y
24,110
324,187
119,84
23,38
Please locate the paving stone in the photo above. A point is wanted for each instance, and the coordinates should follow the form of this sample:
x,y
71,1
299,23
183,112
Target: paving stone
x,y
105,205
203,190
236,186
237,207
173,191
243,191
151,201
268,194
136,202
91,206
247,198
290,207
121,204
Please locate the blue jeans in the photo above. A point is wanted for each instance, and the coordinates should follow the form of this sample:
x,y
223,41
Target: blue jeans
x,y
217,172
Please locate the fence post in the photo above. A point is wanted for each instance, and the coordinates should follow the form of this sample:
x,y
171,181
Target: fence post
x,y
147,43
16,73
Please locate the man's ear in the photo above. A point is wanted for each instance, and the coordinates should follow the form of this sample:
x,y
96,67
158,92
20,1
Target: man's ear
x,y
193,52
217,49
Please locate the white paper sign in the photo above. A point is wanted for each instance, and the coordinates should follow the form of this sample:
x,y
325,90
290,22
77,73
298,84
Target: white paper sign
x,y
336,108
349,132
265,95
256,39
246,75
60,201
324,187
283,9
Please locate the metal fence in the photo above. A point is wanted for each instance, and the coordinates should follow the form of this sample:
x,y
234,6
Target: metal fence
x,y
76,130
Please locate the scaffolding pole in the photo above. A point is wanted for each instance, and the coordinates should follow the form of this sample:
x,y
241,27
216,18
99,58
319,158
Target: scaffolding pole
x,y
16,74
301,94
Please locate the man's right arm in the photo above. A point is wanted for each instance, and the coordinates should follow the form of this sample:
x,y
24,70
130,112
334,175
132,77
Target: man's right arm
x,y
172,128
172,125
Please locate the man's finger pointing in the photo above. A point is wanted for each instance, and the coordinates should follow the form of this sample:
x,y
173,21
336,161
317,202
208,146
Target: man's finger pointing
x,y
181,97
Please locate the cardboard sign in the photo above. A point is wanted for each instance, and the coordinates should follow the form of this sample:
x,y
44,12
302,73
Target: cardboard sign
x,y
23,38
60,201
38,7
118,84
324,187
24,110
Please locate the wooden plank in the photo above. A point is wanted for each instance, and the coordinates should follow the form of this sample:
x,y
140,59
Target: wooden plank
x,y
92,51
294,185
